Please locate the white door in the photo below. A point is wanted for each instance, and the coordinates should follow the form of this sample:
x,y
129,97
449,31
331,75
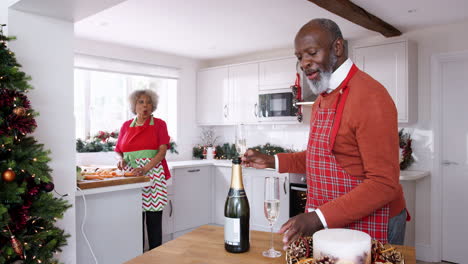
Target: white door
x,y
454,160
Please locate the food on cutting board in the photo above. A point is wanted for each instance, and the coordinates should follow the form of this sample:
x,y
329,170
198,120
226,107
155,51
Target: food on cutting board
x,y
95,173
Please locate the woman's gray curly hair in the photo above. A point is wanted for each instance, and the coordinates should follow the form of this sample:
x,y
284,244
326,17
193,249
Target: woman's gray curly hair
x,y
133,98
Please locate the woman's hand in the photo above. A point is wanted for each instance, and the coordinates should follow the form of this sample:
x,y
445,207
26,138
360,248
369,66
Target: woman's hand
x,y
143,170
121,164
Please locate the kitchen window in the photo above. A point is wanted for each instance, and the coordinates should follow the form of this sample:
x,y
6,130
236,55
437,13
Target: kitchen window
x,y
102,87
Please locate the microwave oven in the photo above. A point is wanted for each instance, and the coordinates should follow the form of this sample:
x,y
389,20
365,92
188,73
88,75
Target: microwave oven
x,y
277,105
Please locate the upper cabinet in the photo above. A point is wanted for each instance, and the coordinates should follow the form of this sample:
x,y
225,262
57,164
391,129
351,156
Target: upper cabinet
x,y
244,84
229,94
277,74
394,65
214,97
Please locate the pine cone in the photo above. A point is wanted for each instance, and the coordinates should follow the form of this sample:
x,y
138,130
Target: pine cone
x,y
325,260
299,249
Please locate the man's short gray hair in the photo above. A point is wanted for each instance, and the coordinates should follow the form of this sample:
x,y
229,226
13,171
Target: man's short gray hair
x,y
329,26
133,98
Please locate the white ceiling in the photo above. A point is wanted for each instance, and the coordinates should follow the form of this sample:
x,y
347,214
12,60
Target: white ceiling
x,y
212,29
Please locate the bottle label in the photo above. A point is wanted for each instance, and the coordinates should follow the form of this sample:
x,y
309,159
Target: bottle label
x,y
232,231
236,192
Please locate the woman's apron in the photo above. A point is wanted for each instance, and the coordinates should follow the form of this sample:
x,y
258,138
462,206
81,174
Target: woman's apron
x,y
326,179
154,197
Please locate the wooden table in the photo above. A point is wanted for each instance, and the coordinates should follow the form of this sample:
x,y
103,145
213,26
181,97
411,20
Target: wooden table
x,y
205,245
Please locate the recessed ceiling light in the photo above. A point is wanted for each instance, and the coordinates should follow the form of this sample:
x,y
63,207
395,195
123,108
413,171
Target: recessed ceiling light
x,y
412,10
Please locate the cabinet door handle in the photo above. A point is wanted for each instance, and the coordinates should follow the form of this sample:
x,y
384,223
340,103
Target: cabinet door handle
x,y
170,206
255,110
195,170
225,111
284,187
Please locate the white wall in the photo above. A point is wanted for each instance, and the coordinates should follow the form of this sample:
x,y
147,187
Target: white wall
x,y
187,130
43,47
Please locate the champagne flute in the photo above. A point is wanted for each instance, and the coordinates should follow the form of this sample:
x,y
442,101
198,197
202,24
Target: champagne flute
x,y
241,141
271,209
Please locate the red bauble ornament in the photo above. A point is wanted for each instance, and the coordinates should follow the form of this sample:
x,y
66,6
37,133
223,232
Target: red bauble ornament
x,y
19,111
17,247
48,187
9,175
33,191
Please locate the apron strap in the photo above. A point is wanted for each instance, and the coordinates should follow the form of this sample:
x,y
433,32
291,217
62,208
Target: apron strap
x,y
339,109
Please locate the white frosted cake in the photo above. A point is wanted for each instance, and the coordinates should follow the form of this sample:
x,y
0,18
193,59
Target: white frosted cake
x,y
342,246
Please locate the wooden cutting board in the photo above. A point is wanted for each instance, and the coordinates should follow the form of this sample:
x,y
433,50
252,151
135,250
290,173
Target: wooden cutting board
x,y
88,184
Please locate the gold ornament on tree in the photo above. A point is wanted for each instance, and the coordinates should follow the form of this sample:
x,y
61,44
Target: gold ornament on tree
x,y
19,111
16,245
9,175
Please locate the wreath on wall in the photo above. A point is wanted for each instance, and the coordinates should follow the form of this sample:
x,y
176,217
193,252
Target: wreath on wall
x,y
406,152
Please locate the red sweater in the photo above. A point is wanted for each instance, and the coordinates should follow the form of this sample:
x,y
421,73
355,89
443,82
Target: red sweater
x,y
367,147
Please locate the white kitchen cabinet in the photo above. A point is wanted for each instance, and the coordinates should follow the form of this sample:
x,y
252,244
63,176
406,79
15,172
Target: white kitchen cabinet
x,y
214,97
243,80
257,216
277,74
192,197
168,220
394,65
222,181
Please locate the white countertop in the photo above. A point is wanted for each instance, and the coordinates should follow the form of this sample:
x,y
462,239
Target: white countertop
x,y
406,175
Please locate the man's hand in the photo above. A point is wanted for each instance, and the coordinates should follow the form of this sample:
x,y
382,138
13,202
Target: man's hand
x,y
305,224
255,159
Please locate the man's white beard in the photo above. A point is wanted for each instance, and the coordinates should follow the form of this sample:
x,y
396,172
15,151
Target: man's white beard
x,y
321,86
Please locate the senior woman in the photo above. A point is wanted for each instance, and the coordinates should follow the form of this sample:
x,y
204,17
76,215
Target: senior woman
x,y
142,146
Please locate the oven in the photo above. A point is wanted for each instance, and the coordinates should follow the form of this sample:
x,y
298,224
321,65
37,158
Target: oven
x,y
297,193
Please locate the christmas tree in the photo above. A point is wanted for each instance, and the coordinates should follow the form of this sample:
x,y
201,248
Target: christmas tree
x,y
28,209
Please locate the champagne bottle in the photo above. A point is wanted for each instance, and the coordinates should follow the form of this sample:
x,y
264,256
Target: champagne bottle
x,y
236,213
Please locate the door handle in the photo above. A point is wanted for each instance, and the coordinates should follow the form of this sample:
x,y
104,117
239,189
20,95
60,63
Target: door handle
x,y
448,162
225,111
194,170
299,189
284,186
255,110
170,206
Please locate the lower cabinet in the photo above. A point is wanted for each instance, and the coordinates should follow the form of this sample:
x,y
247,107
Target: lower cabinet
x,y
258,220
168,220
192,197
199,195
222,181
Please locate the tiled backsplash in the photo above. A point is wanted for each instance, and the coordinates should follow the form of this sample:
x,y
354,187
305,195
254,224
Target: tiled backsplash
x,y
287,136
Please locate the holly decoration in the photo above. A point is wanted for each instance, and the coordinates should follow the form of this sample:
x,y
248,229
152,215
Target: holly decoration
x,y
28,210
406,152
269,149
